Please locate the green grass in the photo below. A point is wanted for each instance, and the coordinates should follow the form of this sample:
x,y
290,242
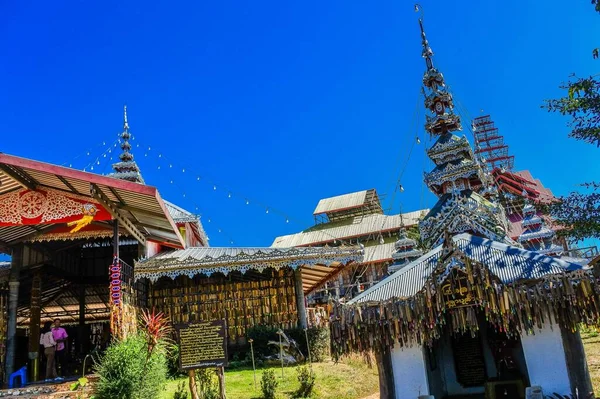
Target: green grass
x,y
350,379
591,343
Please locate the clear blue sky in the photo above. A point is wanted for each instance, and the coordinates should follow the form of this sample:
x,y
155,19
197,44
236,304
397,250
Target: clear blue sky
x,y
285,103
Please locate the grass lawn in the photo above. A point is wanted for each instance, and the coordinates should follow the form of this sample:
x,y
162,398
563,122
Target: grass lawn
x,y
350,379
591,342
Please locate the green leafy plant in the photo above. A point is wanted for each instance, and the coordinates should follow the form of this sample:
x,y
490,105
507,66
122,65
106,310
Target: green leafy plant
x,y
268,384
126,372
181,391
318,340
306,377
208,387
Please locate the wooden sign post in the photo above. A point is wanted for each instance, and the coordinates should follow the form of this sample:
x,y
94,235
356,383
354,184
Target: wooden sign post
x,y
203,345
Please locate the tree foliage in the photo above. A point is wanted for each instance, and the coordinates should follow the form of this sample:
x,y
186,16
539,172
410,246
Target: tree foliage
x,y
579,212
582,104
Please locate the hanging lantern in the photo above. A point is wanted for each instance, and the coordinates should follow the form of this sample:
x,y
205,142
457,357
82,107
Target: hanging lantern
x,y
418,140
247,202
381,240
400,188
214,187
267,211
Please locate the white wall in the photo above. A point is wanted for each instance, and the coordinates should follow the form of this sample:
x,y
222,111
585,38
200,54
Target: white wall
x,y
546,363
410,373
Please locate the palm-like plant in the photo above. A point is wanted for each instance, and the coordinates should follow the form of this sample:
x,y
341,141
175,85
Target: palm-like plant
x,y
156,328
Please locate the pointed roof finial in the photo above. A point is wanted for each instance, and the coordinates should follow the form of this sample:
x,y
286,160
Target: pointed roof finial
x,y
427,52
125,124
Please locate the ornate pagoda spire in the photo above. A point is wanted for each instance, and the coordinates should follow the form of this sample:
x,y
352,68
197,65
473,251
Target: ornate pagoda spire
x,y
406,251
458,178
536,236
127,168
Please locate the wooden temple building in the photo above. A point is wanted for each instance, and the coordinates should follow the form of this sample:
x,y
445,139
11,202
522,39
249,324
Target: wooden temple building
x,y
353,219
75,240
480,314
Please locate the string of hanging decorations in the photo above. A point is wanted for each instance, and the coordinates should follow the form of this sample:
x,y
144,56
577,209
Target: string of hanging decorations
x,y
166,164
453,297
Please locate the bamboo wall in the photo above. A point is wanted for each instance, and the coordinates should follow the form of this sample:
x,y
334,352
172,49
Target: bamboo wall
x,y
268,299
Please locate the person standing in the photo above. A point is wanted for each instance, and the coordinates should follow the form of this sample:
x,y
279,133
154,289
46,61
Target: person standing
x,y
47,341
60,337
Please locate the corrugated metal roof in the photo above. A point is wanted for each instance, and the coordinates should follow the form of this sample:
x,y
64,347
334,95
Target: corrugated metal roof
x,y
506,262
180,215
358,226
317,263
379,253
346,201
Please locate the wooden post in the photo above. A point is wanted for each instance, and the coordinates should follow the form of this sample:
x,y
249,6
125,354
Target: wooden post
x,y
281,351
34,324
81,329
13,298
253,366
308,348
302,323
192,384
221,375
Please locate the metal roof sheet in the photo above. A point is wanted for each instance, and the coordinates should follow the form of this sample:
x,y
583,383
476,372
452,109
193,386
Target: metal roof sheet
x,y
339,202
316,263
508,263
358,226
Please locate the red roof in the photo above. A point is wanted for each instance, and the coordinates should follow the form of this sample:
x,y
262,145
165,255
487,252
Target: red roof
x,y
140,205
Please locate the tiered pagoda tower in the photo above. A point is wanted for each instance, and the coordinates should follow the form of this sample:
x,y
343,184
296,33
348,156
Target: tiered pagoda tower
x,y
406,252
458,178
127,168
536,236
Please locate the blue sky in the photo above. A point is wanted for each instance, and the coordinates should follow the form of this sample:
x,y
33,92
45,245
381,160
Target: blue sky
x,y
285,103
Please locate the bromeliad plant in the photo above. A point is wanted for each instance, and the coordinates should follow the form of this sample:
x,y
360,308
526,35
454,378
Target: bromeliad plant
x,y
155,327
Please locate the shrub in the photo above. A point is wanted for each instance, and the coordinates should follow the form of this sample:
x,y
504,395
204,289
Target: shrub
x,y
318,338
207,386
268,384
306,377
181,392
126,372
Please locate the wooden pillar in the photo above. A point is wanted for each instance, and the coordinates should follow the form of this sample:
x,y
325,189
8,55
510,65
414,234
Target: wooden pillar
x,y
116,238
81,329
13,298
192,384
300,306
221,376
386,374
34,324
579,375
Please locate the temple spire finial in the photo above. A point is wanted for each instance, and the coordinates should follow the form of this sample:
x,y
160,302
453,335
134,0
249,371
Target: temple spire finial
x,y
427,52
126,168
125,124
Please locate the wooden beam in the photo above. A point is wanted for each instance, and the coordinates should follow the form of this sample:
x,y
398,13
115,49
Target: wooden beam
x,y
66,183
21,177
141,211
114,211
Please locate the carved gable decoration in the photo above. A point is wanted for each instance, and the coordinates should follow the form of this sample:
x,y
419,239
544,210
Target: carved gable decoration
x,y
30,207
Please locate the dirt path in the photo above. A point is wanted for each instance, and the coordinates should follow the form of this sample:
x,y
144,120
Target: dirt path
x,y
374,396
